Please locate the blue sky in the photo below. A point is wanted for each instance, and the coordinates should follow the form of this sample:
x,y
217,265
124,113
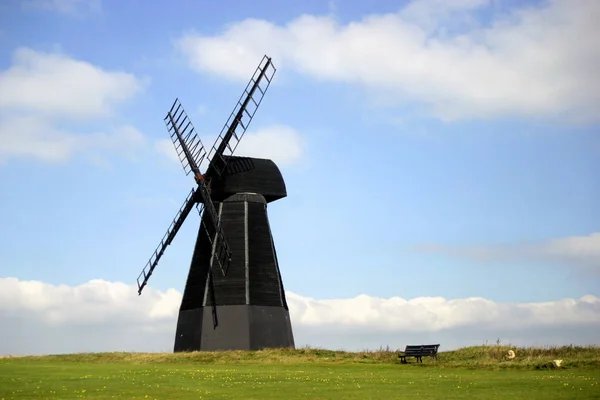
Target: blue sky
x,y
430,149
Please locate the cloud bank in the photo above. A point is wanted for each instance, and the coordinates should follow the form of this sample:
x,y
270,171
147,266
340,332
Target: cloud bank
x,y
39,318
532,60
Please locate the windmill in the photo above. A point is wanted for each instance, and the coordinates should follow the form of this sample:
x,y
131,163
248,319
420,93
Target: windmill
x,y
234,296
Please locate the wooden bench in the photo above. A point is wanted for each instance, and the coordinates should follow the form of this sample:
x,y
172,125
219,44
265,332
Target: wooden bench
x,y
419,351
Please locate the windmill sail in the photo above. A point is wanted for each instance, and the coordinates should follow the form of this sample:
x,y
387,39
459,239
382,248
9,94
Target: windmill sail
x,y
221,251
180,126
240,117
185,137
191,153
183,212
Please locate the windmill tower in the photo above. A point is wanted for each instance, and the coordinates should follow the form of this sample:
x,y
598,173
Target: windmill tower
x,y
234,297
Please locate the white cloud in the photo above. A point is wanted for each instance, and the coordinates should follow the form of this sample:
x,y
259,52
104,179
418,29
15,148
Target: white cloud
x,y
431,14
34,137
529,61
43,95
280,143
581,251
94,302
436,313
584,249
109,316
57,85
68,7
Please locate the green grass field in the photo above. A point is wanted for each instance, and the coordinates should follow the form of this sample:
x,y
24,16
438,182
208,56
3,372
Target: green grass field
x,y
470,373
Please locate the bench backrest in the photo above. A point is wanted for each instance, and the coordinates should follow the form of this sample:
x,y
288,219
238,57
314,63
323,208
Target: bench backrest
x,y
421,349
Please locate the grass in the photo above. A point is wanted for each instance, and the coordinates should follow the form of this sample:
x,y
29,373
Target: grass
x,y
471,373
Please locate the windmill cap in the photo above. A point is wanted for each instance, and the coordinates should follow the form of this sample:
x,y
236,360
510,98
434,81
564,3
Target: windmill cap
x,y
249,175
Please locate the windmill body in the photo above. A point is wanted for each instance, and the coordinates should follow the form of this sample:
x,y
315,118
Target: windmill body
x,y
234,297
250,300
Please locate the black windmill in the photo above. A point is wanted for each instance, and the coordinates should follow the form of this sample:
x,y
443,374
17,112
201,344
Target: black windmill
x,y
234,296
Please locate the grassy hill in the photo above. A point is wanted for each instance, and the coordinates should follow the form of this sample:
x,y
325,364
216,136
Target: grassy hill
x,y
481,372
492,357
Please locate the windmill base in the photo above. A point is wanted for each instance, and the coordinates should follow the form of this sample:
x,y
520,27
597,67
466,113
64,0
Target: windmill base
x,y
241,327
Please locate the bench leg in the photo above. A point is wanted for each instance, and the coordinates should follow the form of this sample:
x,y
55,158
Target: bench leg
x,y
403,359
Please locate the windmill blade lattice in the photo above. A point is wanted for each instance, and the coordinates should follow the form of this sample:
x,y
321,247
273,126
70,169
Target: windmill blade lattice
x,y
191,150
183,212
177,121
241,116
221,251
